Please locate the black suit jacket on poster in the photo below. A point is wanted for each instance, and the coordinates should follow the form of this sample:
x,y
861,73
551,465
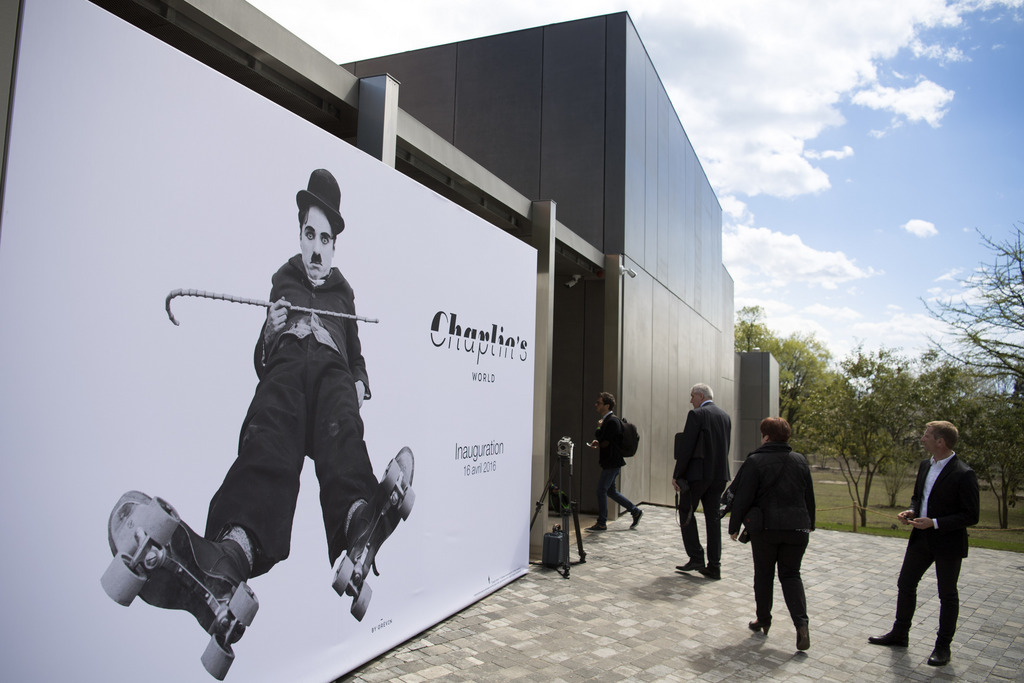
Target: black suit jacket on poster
x,y
702,448
953,502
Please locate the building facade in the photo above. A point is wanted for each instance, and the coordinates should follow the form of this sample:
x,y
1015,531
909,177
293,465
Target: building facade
x,y
565,137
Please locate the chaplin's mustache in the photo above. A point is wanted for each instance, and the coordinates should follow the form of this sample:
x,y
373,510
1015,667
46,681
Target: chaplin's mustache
x,y
315,258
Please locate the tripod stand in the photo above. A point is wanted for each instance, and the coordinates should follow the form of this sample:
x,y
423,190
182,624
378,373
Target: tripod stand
x,y
563,499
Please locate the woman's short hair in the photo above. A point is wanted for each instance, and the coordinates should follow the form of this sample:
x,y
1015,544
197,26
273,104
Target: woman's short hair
x,y
776,429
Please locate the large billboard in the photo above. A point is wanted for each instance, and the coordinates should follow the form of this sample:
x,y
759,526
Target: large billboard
x,y
389,404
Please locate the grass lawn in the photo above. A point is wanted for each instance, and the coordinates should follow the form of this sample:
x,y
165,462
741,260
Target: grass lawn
x,y
835,511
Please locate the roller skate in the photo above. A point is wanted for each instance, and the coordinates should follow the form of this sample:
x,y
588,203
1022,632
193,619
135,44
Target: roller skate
x,y
370,526
160,559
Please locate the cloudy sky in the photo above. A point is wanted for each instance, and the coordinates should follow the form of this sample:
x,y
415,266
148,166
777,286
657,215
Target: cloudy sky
x,y
857,148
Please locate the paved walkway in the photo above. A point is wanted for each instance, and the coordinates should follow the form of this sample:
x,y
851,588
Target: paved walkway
x,y
627,615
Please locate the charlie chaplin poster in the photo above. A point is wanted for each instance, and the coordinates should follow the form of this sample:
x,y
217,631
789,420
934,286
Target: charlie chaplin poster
x,y
284,484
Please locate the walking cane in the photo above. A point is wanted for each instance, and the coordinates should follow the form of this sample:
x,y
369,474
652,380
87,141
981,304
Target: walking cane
x,y
253,302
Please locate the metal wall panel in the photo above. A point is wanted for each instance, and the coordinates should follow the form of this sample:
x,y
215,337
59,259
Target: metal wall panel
x,y
666,254
427,84
498,106
634,226
651,233
639,365
573,125
618,26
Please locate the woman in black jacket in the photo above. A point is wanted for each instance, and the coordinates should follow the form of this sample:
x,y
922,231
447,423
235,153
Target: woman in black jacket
x,y
775,485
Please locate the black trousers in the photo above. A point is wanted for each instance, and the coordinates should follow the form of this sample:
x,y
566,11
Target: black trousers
x,y
708,494
783,549
916,561
305,405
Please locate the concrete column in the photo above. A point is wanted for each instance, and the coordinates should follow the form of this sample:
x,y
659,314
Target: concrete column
x,y
378,117
542,217
613,325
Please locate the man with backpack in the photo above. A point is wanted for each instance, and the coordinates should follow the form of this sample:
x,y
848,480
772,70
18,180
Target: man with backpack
x,y
608,437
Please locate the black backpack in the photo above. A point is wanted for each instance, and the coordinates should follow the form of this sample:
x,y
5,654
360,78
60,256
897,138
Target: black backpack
x,y
630,438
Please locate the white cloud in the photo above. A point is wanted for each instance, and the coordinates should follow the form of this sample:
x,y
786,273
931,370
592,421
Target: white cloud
x,y
753,82
909,331
926,101
769,261
920,228
735,209
838,154
832,312
950,276
938,52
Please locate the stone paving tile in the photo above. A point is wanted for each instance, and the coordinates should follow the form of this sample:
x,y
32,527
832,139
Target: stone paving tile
x,y
627,615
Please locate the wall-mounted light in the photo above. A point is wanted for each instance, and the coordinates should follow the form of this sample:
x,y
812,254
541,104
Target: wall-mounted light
x,y
623,270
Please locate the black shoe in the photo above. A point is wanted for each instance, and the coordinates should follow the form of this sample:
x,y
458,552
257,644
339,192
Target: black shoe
x,y
597,527
758,626
714,573
803,638
637,514
892,639
691,566
940,656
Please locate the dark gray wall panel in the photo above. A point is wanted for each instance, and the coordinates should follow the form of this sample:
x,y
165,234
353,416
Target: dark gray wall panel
x,y
593,384
615,130
570,408
669,251
679,242
427,84
573,125
652,145
634,217
498,106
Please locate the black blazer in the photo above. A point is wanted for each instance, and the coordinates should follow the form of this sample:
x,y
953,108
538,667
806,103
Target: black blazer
x,y
702,448
954,503
610,431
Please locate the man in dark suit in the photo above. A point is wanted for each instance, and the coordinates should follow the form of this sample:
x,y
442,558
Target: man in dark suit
x,y
702,469
944,504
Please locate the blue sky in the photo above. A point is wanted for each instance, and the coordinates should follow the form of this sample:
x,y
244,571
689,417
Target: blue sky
x,y
856,148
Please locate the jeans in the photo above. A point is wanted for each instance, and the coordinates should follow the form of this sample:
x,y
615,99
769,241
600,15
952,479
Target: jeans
x,y
606,490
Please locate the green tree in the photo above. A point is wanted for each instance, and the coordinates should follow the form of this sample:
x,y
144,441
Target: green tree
x,y
864,416
750,332
942,389
993,444
803,360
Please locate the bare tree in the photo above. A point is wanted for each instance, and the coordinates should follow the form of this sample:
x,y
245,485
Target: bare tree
x,y
987,320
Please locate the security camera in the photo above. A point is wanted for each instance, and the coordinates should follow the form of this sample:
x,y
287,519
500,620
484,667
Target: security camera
x,y
572,281
623,270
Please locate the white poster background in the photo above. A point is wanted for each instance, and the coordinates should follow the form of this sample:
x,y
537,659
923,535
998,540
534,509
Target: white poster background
x,y
132,171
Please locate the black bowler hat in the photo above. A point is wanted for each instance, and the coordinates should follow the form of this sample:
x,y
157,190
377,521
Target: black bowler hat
x,y
323,191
